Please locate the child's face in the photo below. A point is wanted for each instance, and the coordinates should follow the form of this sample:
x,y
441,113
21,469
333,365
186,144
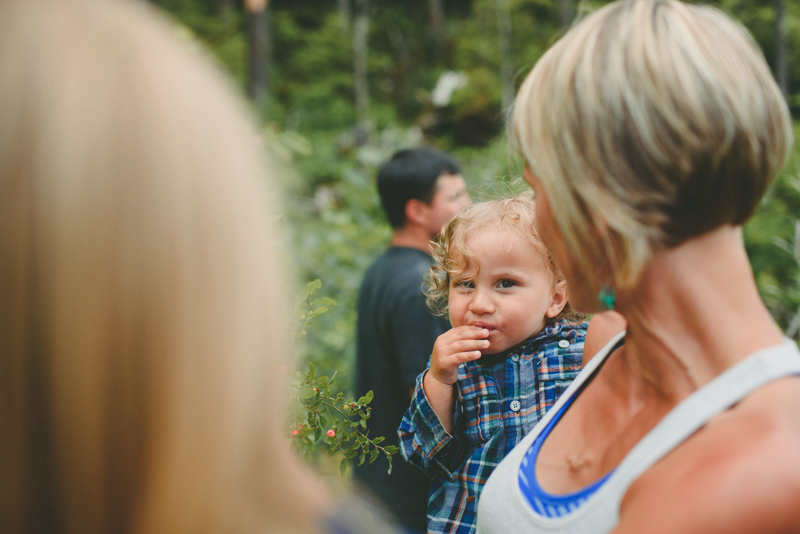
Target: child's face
x,y
512,293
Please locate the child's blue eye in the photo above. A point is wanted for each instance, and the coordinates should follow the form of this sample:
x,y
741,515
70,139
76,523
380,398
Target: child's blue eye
x,y
505,284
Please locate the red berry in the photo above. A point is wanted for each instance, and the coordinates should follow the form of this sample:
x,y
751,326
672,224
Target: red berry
x,y
316,389
331,433
294,433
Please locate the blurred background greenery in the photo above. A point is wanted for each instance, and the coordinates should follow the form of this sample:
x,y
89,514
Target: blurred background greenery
x,y
339,85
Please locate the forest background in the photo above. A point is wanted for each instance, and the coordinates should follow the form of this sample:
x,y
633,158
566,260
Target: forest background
x,y
338,85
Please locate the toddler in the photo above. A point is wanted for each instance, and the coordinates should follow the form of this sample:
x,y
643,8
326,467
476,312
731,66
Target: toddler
x,y
514,347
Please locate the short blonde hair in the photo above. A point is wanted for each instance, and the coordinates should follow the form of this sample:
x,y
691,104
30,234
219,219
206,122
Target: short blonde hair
x,y
452,254
655,119
142,305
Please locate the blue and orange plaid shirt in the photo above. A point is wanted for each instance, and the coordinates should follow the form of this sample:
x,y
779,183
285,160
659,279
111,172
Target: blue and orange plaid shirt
x,y
489,419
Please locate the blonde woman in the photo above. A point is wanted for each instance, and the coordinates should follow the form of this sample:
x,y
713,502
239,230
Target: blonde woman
x,y
650,131
141,301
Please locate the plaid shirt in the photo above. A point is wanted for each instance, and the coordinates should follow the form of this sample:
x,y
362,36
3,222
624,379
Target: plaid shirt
x,y
487,421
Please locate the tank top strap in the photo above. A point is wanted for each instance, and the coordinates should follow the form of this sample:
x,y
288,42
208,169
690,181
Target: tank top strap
x,y
695,411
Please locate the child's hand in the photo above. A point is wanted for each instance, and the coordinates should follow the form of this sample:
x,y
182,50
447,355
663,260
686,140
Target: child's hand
x,y
457,345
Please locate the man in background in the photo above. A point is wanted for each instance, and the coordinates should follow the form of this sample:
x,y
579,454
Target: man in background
x,y
420,190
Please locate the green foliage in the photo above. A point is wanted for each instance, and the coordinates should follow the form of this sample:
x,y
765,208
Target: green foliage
x,y
759,17
307,310
337,229
223,37
320,413
339,423
313,77
311,65
772,241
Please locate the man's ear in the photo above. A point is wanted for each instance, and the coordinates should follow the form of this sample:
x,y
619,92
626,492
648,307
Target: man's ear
x,y
560,297
417,212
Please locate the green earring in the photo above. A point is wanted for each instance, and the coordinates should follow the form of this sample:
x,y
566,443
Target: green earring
x,y
607,297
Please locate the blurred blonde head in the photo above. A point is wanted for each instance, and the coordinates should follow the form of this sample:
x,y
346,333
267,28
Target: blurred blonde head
x,y
650,122
141,302
453,255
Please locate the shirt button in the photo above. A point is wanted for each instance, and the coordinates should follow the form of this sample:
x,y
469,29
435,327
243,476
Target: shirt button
x,y
515,406
515,357
563,343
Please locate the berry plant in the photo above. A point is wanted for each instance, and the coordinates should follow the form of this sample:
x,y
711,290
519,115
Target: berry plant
x,y
319,413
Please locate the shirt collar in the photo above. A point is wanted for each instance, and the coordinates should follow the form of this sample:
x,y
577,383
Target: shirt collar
x,y
548,333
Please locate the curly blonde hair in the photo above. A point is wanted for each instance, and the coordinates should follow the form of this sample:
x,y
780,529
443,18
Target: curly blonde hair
x,y
453,256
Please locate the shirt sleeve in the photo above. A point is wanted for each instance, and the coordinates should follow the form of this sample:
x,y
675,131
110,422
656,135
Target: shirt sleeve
x,y
414,331
422,435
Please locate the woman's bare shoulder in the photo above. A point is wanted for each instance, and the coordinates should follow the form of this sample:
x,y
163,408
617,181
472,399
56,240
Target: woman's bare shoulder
x,y
739,474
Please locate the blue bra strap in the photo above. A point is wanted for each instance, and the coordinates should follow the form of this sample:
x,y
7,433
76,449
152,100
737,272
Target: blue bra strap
x,y
544,503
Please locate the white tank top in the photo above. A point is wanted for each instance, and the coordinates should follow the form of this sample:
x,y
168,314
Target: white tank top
x,y
504,510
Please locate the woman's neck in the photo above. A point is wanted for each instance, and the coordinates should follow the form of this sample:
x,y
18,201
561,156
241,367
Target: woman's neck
x,y
694,313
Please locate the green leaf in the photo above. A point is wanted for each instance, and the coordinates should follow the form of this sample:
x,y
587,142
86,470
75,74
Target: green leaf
x,y
373,455
317,434
379,439
390,464
331,382
314,285
350,454
296,143
390,449
319,311
343,466
311,370
302,296
368,397
326,301
362,458
363,424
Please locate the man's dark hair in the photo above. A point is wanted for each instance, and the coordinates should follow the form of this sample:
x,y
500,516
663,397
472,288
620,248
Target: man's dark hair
x,y
411,173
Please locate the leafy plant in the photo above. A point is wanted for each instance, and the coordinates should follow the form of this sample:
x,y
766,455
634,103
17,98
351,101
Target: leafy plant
x,y
308,310
322,415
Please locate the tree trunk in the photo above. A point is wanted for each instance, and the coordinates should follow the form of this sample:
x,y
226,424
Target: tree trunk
x,y
437,29
258,43
361,85
780,63
506,54
565,7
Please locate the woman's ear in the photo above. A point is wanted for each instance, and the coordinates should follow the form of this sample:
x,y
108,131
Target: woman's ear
x,y
560,298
